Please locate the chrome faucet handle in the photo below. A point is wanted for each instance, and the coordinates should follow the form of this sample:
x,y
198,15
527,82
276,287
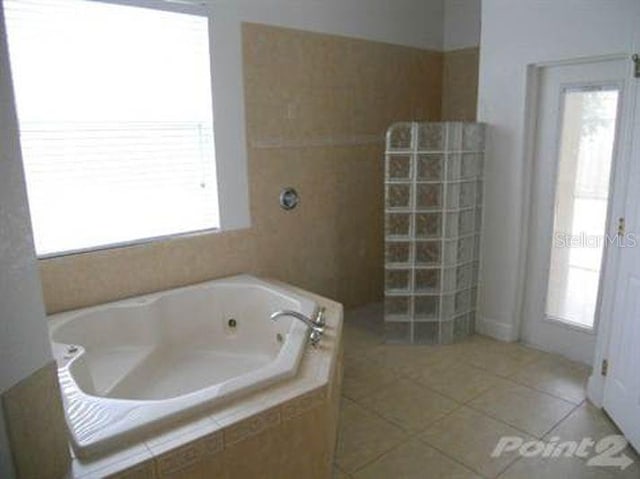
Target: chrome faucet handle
x,y
315,337
319,319
319,329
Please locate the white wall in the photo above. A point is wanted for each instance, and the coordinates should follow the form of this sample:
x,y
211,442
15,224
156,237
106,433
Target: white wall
x,y
24,339
461,24
24,343
515,34
416,23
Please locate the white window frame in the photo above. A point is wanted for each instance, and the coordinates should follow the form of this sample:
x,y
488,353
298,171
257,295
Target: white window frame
x,y
229,117
227,91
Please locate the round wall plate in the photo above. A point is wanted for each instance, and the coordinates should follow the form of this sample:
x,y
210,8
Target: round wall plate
x,y
289,198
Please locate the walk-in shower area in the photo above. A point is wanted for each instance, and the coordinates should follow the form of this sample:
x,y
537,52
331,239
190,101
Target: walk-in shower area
x,y
433,215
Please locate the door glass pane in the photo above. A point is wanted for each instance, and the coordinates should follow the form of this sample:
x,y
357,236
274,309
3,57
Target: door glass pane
x,y
580,215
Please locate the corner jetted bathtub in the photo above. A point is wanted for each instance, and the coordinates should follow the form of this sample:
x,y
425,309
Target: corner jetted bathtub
x,y
128,367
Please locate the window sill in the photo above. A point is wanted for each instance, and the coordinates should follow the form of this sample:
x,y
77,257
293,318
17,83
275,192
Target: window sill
x,y
570,325
128,244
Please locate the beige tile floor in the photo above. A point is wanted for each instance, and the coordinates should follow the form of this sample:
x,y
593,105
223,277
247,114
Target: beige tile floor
x,y
438,411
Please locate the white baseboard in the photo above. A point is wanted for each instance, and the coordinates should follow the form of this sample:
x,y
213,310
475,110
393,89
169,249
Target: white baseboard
x,y
595,389
496,329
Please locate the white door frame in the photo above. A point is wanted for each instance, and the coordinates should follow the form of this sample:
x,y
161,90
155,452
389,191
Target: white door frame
x,y
623,154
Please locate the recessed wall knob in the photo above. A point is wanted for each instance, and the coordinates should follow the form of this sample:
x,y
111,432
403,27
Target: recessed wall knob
x,y
289,198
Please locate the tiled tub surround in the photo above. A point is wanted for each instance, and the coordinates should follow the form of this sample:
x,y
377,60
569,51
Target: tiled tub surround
x,y
129,366
316,109
433,211
285,431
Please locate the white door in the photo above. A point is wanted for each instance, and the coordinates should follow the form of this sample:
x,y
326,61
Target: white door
x,y
579,174
622,383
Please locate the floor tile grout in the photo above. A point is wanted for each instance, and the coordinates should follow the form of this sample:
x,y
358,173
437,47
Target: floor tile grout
x,y
415,436
411,435
371,343
501,421
387,422
467,404
381,455
547,392
565,417
445,453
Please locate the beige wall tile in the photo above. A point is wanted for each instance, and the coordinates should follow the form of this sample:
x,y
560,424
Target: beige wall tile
x,y
146,470
132,459
264,448
198,459
252,426
36,427
290,449
302,404
305,452
460,84
338,474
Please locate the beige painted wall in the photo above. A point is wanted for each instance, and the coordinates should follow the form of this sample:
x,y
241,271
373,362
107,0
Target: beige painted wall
x,y
317,106
460,84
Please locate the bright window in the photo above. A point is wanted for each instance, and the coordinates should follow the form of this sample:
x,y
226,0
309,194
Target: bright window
x,y
116,121
581,202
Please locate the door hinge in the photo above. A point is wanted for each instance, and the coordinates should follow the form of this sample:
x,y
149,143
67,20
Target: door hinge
x,y
636,65
622,227
605,367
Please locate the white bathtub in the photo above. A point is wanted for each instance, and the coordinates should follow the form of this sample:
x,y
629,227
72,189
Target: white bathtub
x,y
128,367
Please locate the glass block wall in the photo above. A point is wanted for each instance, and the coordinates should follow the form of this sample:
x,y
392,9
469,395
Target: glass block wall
x,y
433,210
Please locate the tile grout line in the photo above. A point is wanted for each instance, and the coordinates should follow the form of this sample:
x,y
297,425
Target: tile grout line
x,y
409,434
566,416
517,428
482,414
367,408
414,435
465,402
539,391
447,454
509,378
468,401
381,455
547,392
516,383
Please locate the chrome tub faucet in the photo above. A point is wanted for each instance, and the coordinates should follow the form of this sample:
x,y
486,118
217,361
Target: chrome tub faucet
x,y
316,327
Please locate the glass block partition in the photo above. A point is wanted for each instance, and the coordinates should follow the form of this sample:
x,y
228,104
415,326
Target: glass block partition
x,y
433,210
